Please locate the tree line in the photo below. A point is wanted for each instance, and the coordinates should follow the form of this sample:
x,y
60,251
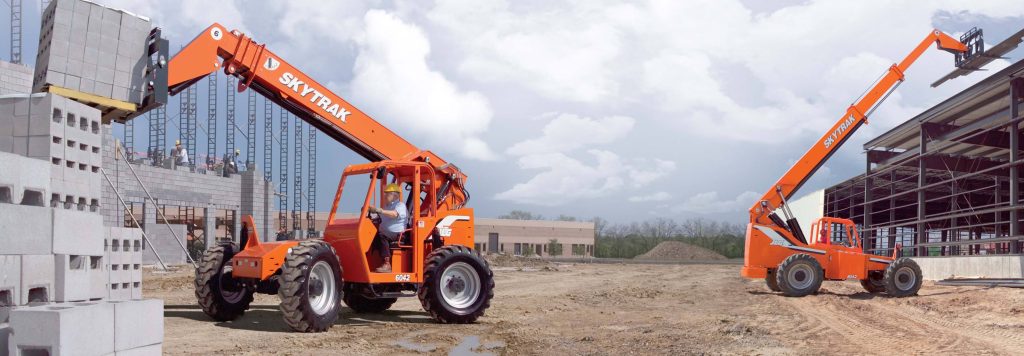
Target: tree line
x,y
629,240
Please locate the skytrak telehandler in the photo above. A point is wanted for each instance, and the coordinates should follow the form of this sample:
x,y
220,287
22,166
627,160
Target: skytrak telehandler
x,y
777,250
433,259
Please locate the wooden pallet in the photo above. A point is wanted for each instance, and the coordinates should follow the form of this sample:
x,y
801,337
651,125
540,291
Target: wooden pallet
x,y
111,110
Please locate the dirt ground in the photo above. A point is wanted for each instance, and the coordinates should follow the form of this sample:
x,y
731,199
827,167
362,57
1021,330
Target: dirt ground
x,y
616,309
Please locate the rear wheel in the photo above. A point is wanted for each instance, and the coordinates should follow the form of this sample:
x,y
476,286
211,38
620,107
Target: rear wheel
x,y
799,275
772,283
875,283
222,297
457,285
902,278
310,287
362,304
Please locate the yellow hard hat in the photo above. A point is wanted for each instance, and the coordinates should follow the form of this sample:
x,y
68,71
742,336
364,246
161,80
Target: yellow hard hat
x,y
177,142
392,188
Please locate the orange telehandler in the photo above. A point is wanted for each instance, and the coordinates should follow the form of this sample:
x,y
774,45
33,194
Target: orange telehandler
x,y
433,259
777,250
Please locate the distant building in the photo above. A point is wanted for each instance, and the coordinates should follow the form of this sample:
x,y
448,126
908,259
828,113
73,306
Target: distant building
x,y
533,237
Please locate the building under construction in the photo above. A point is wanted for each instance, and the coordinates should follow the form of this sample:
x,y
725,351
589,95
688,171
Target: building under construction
x,y
947,181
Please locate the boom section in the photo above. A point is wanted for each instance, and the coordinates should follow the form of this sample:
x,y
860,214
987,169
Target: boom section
x,y
855,116
260,69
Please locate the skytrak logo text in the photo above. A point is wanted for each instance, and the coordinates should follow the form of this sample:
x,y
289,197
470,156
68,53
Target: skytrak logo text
x,y
319,99
843,126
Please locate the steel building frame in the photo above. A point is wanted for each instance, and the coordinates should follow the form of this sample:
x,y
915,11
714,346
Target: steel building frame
x,y
946,182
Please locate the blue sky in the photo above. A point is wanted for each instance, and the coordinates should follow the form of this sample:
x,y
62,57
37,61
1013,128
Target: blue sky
x,y
621,109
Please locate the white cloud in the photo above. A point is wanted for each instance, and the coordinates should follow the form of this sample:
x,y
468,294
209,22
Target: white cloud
x,y
567,132
564,178
657,196
393,79
709,202
186,18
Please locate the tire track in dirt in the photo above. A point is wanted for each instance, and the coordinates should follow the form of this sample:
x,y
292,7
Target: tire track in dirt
x,y
867,329
1009,342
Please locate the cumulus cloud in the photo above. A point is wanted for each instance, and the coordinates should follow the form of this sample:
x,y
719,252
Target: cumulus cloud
x,y
393,79
564,178
710,202
656,196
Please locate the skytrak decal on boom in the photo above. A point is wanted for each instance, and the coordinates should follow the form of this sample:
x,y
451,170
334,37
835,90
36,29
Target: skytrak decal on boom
x,y
839,131
317,98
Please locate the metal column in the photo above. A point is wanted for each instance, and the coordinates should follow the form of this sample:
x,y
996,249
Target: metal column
x,y
867,233
15,31
311,188
297,194
1015,94
211,120
229,143
922,235
282,213
250,145
268,139
129,140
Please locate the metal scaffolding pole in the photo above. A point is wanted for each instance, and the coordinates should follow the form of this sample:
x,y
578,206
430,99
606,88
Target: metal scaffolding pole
x,y
311,188
157,135
16,31
1016,87
282,214
250,145
211,120
268,139
129,139
922,235
190,136
229,143
297,194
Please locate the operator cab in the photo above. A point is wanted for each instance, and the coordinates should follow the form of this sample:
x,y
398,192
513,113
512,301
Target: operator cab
x,y
836,232
353,227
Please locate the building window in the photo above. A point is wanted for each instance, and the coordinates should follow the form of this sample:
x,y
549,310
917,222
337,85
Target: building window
x,y
579,249
517,249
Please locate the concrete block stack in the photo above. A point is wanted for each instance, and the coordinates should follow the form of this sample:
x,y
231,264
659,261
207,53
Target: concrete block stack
x,y
91,48
15,78
124,251
64,133
133,327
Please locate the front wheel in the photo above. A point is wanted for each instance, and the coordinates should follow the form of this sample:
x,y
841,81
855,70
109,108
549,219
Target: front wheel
x,y
311,287
875,283
902,278
799,275
457,285
222,297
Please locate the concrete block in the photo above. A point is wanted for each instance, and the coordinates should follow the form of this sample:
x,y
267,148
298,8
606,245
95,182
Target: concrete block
x,y
77,233
7,339
118,291
23,180
138,323
136,290
71,278
64,329
37,279
100,278
27,230
10,284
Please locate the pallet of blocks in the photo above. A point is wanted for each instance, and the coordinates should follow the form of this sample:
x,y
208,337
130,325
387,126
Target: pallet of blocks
x,y
57,273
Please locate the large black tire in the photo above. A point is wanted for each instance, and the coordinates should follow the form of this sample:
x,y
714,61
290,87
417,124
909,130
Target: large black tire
x,y
799,275
457,285
875,283
311,284
362,304
773,284
903,278
220,296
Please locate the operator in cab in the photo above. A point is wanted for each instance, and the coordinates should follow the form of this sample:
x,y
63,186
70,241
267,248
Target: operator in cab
x,y
393,219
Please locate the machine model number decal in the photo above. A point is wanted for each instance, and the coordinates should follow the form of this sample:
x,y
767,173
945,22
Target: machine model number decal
x,y
402,278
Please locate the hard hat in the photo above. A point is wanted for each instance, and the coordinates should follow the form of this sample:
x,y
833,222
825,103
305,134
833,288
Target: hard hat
x,y
238,152
177,142
392,188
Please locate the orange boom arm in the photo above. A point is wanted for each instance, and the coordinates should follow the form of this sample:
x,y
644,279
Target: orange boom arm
x,y
855,115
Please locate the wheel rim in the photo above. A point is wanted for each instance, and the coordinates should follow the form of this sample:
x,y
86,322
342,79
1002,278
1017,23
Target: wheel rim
x,y
460,285
905,278
800,276
321,288
229,289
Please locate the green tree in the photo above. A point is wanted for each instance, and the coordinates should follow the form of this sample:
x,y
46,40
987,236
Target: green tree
x,y
521,215
554,248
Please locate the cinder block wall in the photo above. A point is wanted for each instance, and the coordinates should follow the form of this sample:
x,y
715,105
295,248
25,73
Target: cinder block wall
x,y
244,194
1001,266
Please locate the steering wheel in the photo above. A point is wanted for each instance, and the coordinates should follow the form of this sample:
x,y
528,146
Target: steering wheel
x,y
374,217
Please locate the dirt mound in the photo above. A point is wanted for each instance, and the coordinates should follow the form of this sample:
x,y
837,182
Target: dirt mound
x,y
675,250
